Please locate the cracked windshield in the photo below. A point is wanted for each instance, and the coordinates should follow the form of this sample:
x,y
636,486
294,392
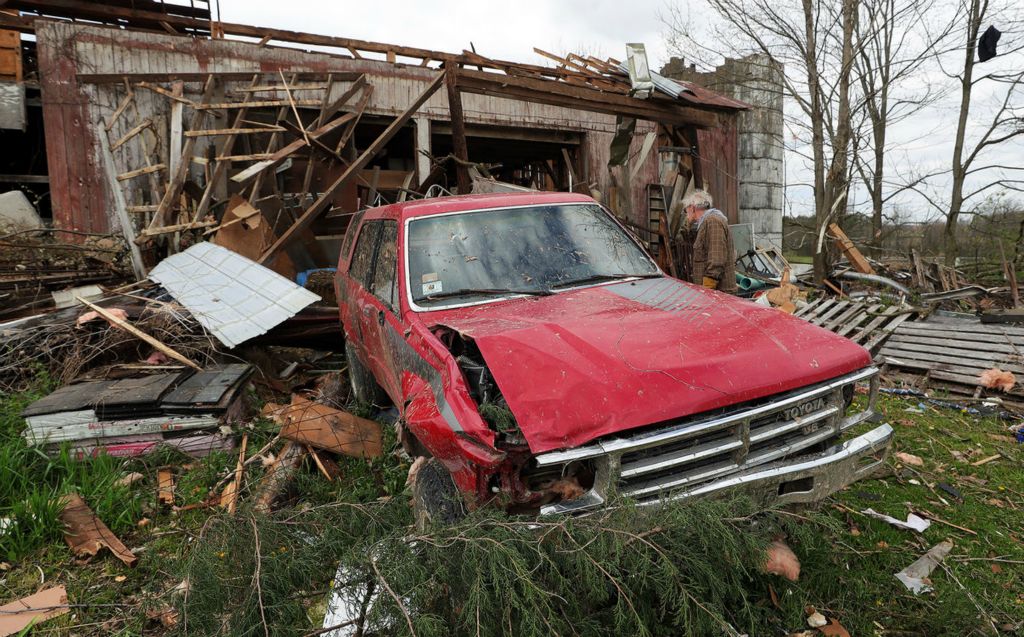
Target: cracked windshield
x,y
533,250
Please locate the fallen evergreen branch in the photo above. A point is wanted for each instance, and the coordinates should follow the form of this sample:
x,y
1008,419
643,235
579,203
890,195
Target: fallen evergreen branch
x,y
681,569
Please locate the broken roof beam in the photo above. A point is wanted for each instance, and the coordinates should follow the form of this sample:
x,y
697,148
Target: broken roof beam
x,y
318,206
584,98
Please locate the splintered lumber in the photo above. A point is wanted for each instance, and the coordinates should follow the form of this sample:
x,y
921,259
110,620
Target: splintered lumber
x,y
853,255
141,126
326,197
278,475
141,171
32,610
234,131
327,428
221,165
86,534
177,181
229,498
256,104
281,155
117,321
165,486
178,227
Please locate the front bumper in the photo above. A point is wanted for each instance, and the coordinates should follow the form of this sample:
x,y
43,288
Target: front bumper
x,y
808,479
771,451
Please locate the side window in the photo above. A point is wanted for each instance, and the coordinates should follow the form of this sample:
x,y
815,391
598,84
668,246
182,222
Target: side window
x,y
385,279
362,259
350,235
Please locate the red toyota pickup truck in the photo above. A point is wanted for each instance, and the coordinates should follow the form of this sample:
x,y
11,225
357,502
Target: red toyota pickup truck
x,y
542,362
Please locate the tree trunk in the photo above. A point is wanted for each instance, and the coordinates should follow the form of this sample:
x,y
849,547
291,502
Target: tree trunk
x,y
959,172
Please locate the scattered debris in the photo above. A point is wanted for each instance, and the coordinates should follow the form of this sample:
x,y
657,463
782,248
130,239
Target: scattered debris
x,y
996,378
325,427
16,617
86,534
915,576
134,415
909,459
165,486
130,479
816,619
913,523
782,561
278,475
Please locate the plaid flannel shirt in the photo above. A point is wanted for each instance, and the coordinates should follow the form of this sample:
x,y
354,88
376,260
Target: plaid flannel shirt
x,y
713,253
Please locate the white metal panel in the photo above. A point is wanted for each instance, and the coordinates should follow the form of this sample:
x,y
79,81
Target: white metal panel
x,y
233,297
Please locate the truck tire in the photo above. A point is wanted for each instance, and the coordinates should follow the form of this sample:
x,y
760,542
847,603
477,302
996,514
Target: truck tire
x,y
435,498
364,386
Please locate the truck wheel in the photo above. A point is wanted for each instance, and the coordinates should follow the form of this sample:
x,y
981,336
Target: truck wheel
x,y
364,386
435,498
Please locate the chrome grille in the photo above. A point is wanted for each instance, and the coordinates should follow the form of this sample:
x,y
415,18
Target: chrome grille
x,y
685,455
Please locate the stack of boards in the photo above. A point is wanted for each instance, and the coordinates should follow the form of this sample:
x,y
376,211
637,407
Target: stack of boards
x,y
133,416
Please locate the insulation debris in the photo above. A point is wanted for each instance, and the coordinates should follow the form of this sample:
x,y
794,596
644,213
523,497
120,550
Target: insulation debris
x,y
913,522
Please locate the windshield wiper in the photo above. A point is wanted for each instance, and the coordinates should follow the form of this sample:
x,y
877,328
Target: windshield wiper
x,y
594,278
483,292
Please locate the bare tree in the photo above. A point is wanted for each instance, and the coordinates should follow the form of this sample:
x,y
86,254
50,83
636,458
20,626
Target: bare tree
x,y
896,41
814,41
1004,123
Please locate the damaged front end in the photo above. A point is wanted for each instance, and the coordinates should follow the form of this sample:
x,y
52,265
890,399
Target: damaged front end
x,y
778,451
518,484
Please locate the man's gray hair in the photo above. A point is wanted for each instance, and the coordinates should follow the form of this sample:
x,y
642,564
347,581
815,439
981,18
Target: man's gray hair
x,y
698,199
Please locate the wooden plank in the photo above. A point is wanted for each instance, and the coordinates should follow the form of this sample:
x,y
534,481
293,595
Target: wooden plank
x,y
216,132
873,324
970,381
821,308
140,171
983,329
805,309
840,320
165,486
317,207
995,337
281,155
220,168
166,93
177,128
177,180
178,227
137,209
266,88
218,106
139,334
853,255
120,109
893,353
832,311
121,212
853,323
141,126
975,346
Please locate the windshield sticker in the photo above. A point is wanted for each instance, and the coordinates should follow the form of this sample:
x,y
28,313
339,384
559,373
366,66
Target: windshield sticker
x,y
433,287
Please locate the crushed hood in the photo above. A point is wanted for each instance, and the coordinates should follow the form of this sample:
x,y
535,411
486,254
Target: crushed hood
x,y
586,363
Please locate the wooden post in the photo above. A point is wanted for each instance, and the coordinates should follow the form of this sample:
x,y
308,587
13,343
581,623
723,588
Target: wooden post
x,y
459,147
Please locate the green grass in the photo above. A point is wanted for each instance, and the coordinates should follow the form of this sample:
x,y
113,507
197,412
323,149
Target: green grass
x,y
539,580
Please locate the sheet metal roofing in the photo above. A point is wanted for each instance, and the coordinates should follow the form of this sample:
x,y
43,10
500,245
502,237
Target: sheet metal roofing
x,y
233,297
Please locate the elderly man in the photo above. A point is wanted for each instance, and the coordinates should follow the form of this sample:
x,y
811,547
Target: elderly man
x,y
713,256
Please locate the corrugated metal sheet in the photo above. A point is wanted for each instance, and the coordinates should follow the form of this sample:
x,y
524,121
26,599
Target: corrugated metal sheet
x,y
691,93
233,297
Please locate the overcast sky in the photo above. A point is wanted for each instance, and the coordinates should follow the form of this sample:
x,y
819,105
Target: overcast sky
x,y
510,30
507,30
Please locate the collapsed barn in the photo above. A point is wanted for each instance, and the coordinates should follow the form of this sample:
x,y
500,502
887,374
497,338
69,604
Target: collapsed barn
x,y
269,141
